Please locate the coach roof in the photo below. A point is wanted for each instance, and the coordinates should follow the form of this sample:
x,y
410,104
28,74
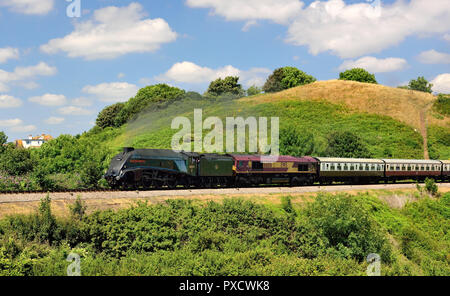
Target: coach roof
x,y
350,160
413,161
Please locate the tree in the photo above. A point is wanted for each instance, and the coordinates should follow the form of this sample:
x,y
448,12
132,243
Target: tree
x,y
107,117
147,96
358,74
420,84
346,144
295,143
16,161
287,77
3,140
254,90
228,85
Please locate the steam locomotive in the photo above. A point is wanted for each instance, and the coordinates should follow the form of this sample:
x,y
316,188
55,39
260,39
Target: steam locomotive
x,y
159,168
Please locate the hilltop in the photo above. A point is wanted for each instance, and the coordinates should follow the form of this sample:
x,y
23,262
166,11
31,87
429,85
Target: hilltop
x,y
393,122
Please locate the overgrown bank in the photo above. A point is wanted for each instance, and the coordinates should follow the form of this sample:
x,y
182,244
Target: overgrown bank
x,y
331,235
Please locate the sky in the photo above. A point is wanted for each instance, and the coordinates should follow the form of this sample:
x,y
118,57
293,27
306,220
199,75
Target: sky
x,y
63,61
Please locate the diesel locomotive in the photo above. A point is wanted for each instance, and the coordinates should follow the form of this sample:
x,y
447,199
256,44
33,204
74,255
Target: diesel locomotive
x,y
159,168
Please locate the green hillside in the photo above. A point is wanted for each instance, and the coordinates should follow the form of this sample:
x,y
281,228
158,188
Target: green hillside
x,y
333,106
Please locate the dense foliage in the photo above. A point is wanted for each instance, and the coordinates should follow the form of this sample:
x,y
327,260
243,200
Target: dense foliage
x,y
331,235
229,85
254,90
442,104
358,74
145,97
346,144
420,84
107,117
286,77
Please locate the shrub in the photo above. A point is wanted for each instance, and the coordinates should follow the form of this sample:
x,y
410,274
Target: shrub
x,y
287,77
78,209
442,104
16,161
420,84
228,85
254,90
346,144
431,187
107,117
144,98
348,227
296,143
90,174
358,74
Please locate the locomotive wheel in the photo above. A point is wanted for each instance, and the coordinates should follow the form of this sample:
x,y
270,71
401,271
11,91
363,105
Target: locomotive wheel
x,y
172,184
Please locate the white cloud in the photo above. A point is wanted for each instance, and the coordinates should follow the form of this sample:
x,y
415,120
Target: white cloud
x,y
16,125
82,102
441,84
40,7
434,57
353,30
73,110
112,92
9,102
447,37
25,73
54,120
23,128
375,65
113,32
188,72
49,100
8,53
278,11
10,122
120,75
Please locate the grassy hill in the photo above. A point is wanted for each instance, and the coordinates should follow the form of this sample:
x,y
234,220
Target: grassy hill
x,y
392,122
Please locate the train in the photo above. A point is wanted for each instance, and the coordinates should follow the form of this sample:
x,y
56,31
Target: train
x,y
161,168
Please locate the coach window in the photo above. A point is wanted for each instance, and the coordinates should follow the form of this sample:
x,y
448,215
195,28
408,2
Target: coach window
x,y
256,165
352,167
409,167
345,167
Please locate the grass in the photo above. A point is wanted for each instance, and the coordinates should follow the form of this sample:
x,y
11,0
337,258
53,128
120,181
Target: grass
x,y
387,119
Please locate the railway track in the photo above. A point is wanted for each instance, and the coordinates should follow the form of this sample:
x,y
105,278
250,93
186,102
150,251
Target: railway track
x,y
97,190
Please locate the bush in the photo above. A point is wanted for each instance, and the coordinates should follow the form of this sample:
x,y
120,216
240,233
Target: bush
x,y
346,144
90,174
431,187
420,84
442,104
296,143
78,209
358,74
254,90
228,85
348,227
16,161
144,98
287,77
107,117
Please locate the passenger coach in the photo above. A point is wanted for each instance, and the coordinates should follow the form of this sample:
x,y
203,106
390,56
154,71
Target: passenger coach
x,y
356,170
416,169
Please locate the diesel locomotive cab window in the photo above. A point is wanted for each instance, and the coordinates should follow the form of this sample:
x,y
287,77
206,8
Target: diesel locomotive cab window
x,y
302,167
256,165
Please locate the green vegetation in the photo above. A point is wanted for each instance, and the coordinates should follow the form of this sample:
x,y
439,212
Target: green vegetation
x,y
420,84
442,104
346,144
438,142
331,235
254,90
227,86
107,117
358,74
285,78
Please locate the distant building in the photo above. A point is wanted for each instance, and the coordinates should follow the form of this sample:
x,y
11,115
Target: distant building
x,y
33,142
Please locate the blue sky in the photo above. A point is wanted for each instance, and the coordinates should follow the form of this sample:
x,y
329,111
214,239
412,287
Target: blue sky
x,y
57,72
